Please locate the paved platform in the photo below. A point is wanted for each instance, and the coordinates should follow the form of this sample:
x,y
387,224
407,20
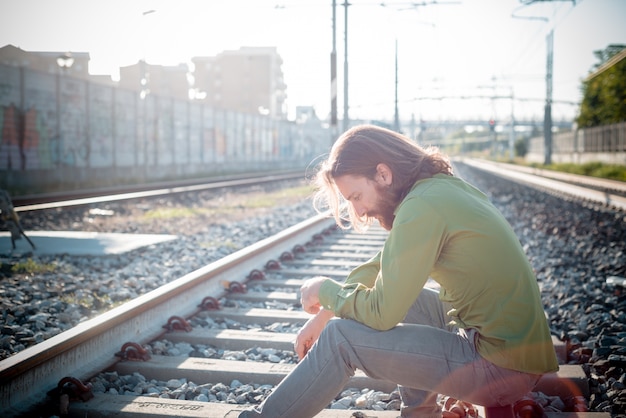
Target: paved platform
x,y
78,243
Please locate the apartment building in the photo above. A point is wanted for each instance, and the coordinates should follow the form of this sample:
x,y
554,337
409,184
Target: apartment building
x,y
74,64
248,80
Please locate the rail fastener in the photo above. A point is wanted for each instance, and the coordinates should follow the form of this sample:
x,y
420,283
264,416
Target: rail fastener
x,y
134,352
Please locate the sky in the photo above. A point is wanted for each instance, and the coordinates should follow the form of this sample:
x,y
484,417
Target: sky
x,y
453,57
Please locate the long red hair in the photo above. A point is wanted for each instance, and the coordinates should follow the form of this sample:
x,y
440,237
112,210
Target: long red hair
x,y
358,152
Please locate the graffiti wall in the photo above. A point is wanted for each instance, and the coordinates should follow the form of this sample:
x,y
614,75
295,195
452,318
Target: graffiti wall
x,y
52,121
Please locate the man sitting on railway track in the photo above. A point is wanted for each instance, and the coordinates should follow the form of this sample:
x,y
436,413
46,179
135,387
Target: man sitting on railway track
x,y
482,337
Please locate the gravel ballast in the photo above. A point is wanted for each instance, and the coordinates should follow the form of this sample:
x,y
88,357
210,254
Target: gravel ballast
x,y
574,249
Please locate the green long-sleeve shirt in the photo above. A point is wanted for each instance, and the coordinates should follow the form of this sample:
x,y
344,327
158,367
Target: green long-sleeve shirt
x,y
448,230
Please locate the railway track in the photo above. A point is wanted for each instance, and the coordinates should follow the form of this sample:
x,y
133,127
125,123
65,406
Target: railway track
x,y
59,200
610,193
255,286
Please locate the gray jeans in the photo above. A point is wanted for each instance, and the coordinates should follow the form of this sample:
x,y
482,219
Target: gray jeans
x,y
423,355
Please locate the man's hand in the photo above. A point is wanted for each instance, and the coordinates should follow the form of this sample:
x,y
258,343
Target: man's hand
x,y
309,295
310,332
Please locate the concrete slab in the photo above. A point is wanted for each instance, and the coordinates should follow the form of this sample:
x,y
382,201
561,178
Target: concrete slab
x,y
107,406
78,243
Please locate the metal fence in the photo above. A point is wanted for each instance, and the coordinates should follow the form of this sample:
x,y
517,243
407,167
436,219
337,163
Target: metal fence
x,y
608,138
601,143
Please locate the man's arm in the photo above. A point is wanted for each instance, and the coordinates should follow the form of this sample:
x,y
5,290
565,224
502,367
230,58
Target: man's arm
x,y
311,331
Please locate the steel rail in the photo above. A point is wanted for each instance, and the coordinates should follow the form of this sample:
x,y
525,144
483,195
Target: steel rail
x,y
552,185
65,199
87,348
606,184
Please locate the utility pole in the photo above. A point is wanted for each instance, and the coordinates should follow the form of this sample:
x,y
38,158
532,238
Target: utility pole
x,y
333,78
397,115
512,131
346,119
547,119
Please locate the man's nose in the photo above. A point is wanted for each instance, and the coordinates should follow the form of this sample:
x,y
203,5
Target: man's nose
x,y
360,210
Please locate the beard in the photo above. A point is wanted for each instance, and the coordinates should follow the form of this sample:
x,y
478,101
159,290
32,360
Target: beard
x,y
386,204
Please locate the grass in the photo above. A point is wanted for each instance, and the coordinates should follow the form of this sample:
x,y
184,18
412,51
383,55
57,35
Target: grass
x,y
91,301
274,198
592,169
32,267
177,213
252,201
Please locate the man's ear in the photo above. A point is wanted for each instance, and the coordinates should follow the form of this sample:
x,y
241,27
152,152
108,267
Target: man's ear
x,y
384,175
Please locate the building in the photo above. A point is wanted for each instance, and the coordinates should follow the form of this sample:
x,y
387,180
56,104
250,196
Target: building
x,y
204,87
74,64
306,114
248,80
159,80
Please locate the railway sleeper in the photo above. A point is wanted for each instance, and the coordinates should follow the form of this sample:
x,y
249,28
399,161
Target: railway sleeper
x,y
362,241
258,315
342,250
310,272
102,406
328,262
261,296
569,380
232,339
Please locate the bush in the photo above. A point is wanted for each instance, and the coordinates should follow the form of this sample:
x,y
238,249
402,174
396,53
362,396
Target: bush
x,y
521,148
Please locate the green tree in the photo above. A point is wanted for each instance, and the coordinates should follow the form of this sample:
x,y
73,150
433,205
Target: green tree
x,y
604,92
521,147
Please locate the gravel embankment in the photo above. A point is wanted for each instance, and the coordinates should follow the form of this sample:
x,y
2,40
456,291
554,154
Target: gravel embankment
x,y
574,250
210,225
